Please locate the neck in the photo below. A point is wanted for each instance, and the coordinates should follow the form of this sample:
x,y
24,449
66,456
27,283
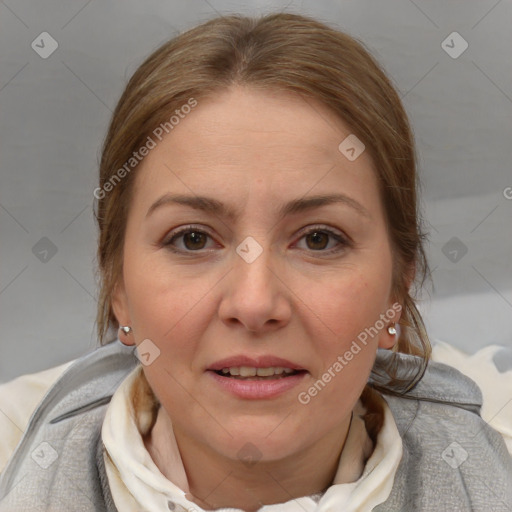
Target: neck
x,y
217,482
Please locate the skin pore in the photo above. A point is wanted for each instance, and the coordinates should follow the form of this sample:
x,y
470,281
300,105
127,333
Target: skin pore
x,y
305,298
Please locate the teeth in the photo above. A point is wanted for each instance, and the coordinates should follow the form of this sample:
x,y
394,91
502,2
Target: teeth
x,y
265,372
248,371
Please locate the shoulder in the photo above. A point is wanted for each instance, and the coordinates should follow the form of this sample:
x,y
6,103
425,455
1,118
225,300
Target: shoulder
x,y
31,401
491,369
66,426
18,400
449,451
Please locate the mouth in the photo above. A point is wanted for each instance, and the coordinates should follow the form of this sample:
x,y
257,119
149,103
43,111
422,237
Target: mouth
x,y
255,374
261,377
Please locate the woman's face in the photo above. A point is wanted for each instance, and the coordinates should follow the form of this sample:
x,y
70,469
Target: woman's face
x,y
253,241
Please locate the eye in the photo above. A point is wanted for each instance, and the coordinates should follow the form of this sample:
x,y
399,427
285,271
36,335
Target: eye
x,y
187,239
320,238
192,239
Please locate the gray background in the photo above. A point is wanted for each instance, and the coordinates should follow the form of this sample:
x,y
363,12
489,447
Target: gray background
x,y
55,113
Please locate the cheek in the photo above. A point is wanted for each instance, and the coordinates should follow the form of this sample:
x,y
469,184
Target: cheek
x,y
167,304
344,307
342,361
342,316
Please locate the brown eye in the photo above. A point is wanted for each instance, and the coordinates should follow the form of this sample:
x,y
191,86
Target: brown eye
x,y
188,240
194,240
323,240
317,240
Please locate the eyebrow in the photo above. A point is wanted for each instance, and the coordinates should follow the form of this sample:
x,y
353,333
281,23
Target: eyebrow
x,y
210,205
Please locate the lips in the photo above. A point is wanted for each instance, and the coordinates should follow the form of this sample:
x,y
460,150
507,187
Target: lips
x,y
244,372
262,377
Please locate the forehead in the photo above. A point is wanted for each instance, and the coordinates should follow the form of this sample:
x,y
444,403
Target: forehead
x,y
244,118
243,136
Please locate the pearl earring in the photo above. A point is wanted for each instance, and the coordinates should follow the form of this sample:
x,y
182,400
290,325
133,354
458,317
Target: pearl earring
x,y
392,330
126,329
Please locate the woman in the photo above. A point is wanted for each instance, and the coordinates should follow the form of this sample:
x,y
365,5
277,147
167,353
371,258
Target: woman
x,y
259,241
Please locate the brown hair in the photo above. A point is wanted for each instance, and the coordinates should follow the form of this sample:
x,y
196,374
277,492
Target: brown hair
x,y
281,51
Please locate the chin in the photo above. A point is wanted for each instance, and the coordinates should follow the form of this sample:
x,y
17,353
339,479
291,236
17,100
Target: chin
x,y
260,440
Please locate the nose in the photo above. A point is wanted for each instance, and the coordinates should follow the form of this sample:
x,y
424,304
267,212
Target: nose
x,y
255,296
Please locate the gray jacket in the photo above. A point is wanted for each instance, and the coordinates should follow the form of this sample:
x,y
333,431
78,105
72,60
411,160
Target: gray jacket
x,y
452,460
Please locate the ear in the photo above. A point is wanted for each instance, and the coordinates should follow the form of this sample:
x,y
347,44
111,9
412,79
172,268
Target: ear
x,y
394,312
119,303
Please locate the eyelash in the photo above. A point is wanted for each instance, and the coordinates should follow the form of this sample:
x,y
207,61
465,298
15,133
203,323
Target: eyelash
x,y
343,242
